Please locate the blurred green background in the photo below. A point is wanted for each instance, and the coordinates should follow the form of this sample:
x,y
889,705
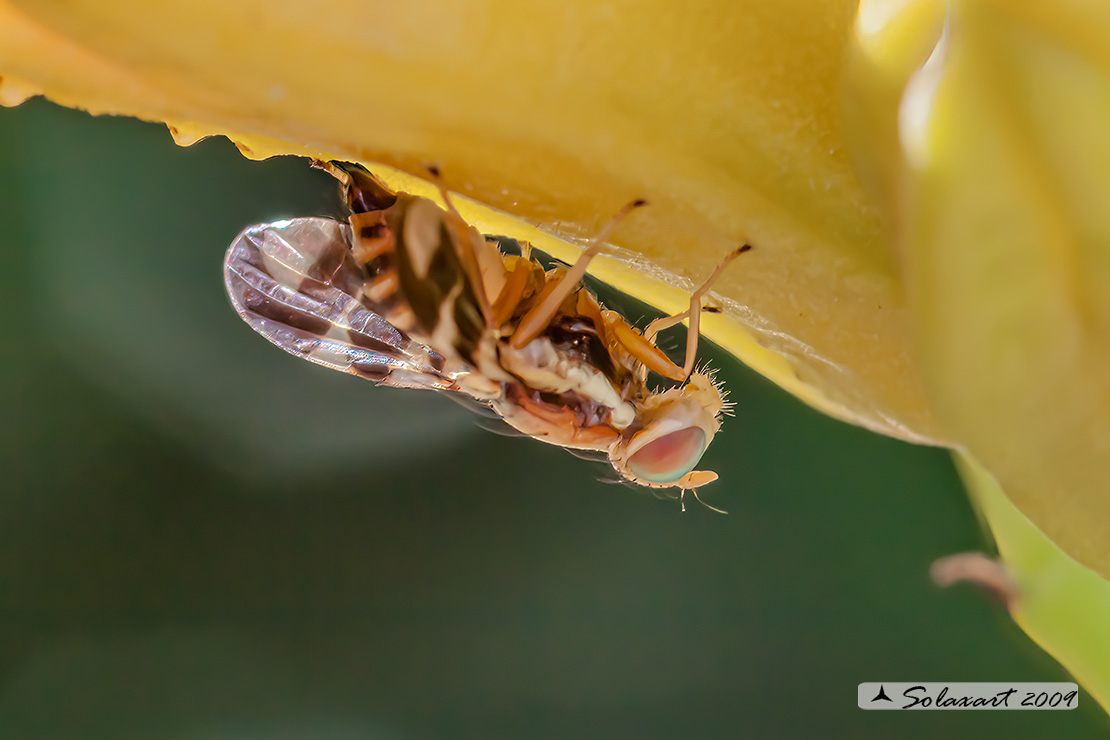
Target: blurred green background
x,y
202,537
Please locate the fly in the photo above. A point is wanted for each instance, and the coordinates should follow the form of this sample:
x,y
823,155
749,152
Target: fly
x,y
410,295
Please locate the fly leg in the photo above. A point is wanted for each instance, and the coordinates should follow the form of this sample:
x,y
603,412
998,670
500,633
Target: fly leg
x,y
513,291
536,320
478,258
692,316
475,254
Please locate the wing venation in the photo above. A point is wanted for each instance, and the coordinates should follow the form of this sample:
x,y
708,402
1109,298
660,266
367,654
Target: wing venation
x,y
295,283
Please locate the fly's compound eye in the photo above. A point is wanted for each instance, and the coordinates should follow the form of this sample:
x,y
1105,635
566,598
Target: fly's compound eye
x,y
670,457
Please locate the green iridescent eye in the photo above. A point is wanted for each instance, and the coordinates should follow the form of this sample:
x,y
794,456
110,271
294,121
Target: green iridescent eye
x,y
670,457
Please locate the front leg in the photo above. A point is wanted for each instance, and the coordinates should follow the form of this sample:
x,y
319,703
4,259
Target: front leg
x,y
692,316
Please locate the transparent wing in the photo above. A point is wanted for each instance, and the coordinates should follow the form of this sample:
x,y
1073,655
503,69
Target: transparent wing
x,y
295,283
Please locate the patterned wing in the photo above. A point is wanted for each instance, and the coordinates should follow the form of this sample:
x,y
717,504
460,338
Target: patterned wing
x,y
295,282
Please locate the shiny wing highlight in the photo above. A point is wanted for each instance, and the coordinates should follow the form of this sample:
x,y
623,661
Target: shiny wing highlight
x,y
296,283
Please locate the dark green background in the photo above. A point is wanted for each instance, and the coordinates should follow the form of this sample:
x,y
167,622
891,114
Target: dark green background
x,y
202,537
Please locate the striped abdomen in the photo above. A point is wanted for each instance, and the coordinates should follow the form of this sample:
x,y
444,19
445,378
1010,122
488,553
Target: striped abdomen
x,y
415,278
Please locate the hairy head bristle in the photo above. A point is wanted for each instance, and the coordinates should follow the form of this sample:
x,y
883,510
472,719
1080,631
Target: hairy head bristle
x,y
708,371
711,373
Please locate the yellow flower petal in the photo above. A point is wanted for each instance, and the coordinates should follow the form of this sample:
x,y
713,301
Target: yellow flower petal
x,y
1003,176
726,118
981,126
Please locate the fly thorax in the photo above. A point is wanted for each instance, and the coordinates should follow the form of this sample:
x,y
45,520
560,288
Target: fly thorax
x,y
540,365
